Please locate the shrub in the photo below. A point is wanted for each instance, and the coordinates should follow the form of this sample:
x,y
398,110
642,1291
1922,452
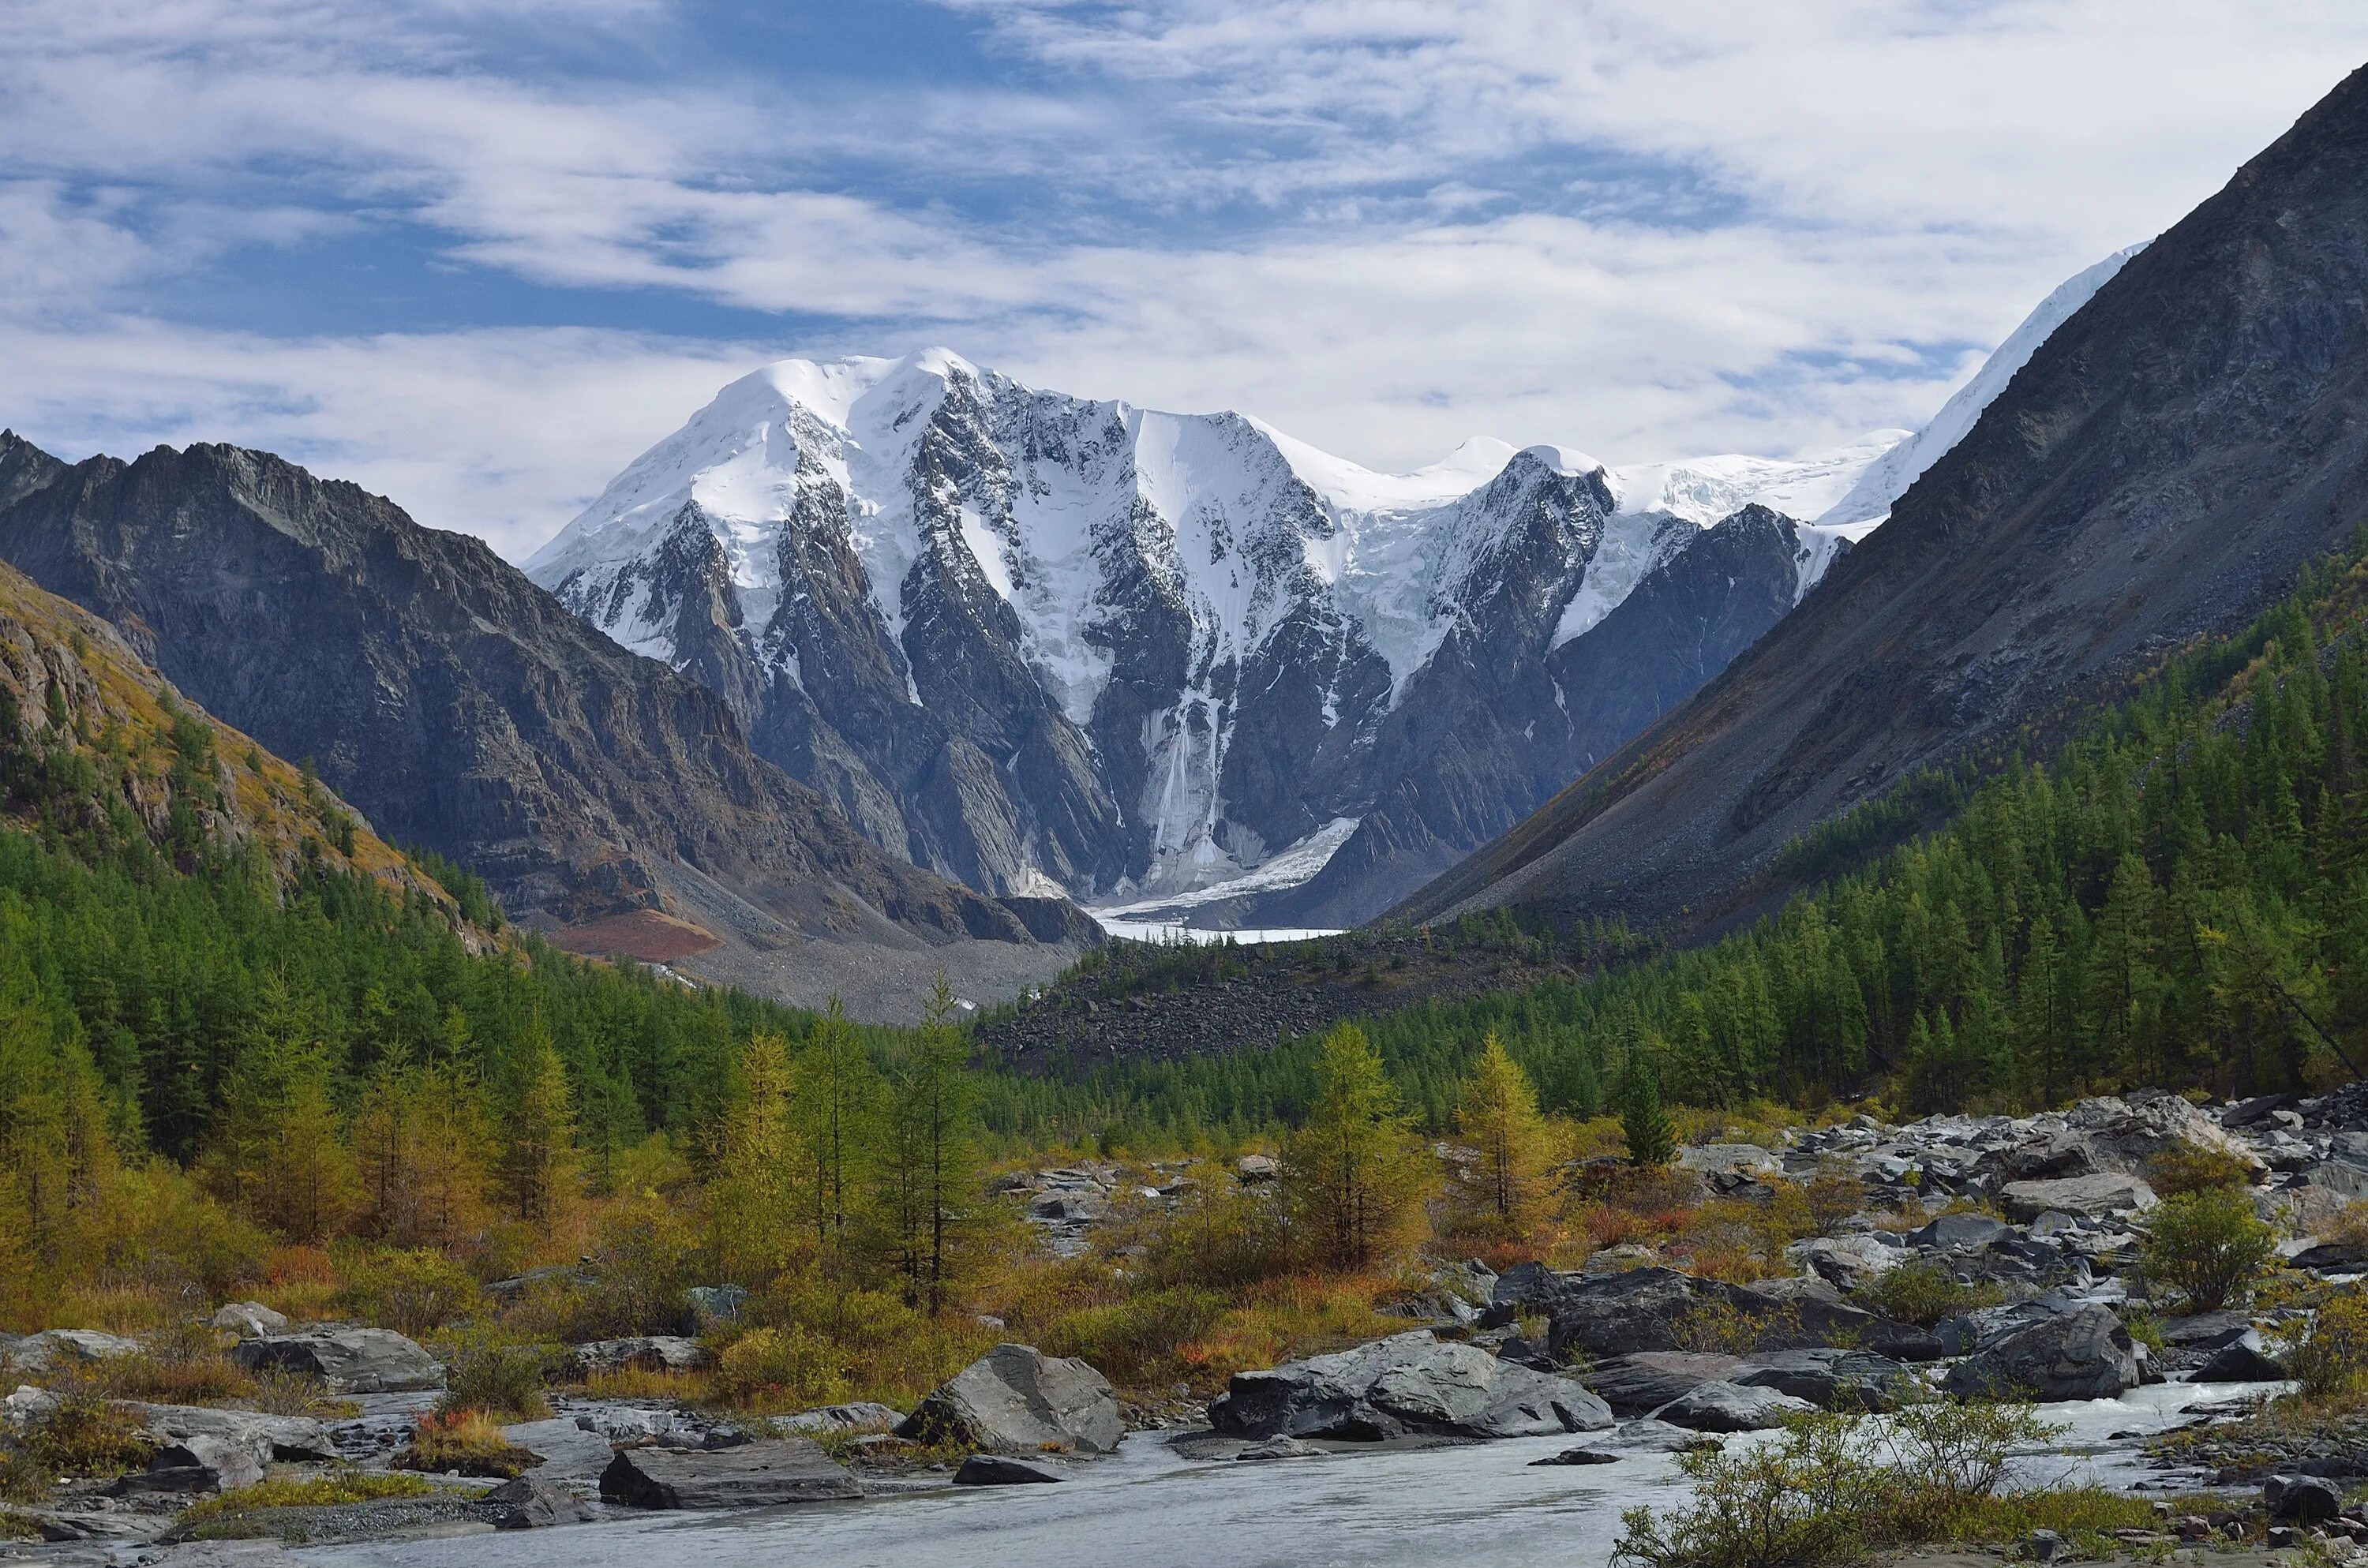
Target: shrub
x,y
2209,1245
463,1442
186,1364
1833,1196
298,1394
2331,1363
415,1292
83,1436
1832,1488
1140,1342
498,1380
2191,1167
1923,1291
788,1365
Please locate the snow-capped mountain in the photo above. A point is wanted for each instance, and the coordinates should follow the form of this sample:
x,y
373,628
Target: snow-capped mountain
x,y
1037,641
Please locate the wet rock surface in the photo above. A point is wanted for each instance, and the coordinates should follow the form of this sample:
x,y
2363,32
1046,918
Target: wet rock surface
x,y
751,1475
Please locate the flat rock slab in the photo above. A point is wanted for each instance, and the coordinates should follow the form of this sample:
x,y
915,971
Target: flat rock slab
x,y
1577,1456
346,1361
754,1475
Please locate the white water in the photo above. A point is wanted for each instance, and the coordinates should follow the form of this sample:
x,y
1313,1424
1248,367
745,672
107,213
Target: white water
x,y
1479,1506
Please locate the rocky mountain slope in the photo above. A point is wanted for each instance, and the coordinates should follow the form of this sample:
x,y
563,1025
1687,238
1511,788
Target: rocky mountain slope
x,y
602,795
2162,465
1036,642
95,745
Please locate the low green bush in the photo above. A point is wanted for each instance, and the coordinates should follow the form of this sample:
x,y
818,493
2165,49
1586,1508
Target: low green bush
x,y
2209,1246
498,1380
1923,1291
1833,1488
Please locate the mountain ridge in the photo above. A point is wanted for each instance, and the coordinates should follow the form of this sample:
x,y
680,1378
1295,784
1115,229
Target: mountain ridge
x,y
2166,459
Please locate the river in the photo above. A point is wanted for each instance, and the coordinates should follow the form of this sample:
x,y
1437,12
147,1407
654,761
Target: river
x,y
1480,1505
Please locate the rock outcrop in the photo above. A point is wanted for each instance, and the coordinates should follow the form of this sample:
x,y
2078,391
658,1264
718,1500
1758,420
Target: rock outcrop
x,y
2082,1354
346,1361
762,1474
1016,1400
1408,1384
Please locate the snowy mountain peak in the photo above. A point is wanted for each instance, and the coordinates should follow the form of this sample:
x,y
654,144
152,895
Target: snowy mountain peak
x,y
1039,642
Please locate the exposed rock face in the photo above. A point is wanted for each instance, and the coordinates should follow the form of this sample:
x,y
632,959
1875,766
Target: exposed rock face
x,y
1016,1400
1406,1383
753,1475
2082,1354
2159,469
266,1437
1027,639
346,1361
461,707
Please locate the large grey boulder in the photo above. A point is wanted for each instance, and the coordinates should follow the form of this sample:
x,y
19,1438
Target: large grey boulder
x,y
2242,1362
1016,1400
1006,1469
649,1352
1640,1383
1406,1383
295,1439
1827,1377
1848,1263
2091,1197
250,1319
346,1361
1961,1233
194,1464
531,1503
752,1475
2082,1354
1726,1407
2306,1499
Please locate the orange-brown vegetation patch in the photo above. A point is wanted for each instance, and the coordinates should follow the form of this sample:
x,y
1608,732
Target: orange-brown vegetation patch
x,y
643,934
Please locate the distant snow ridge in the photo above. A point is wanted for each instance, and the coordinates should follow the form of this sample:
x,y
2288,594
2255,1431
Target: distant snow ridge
x,y
1045,643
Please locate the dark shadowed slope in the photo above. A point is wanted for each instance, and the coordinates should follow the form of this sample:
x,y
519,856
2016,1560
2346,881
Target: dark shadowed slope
x,y
462,707
2160,467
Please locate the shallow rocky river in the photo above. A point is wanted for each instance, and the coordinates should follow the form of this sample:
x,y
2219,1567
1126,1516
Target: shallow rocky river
x,y
1480,1505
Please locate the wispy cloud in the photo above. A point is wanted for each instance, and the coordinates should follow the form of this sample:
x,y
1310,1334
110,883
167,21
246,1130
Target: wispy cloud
x,y
540,232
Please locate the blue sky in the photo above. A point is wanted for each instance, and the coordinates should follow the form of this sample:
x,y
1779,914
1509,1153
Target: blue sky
x,y
477,256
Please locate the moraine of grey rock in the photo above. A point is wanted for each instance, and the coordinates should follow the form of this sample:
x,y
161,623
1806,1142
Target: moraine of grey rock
x,y
346,1361
2082,1354
751,1475
1016,1400
1408,1384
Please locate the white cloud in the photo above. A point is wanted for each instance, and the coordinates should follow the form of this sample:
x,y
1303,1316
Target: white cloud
x,y
1639,227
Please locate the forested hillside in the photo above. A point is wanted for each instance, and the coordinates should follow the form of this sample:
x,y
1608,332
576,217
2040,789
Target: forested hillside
x,y
2179,897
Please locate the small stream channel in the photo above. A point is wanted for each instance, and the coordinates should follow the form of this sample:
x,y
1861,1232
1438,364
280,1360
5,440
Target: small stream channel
x,y
1479,1505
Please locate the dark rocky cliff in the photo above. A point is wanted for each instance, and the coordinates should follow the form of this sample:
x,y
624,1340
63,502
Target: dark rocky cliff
x,y
2159,469
459,704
